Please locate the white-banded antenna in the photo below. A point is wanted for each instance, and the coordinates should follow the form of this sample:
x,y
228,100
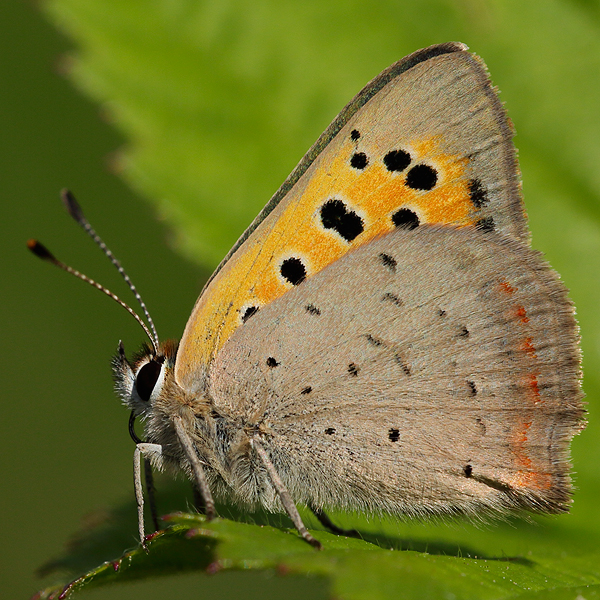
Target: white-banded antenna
x,y
42,252
75,211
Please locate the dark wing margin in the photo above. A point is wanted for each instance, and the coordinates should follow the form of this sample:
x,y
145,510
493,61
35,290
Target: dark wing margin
x,y
408,62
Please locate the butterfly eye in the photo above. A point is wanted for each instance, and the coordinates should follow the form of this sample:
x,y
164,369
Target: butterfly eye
x,y
146,379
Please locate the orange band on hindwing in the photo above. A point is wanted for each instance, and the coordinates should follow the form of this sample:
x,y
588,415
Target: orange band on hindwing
x,y
528,474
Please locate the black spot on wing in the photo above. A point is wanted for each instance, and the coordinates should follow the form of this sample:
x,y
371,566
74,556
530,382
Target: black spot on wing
x,y
421,177
463,332
388,261
468,471
403,364
486,224
272,363
477,193
248,312
335,215
330,431
355,135
353,369
389,297
373,340
472,388
394,434
405,219
359,161
396,160
306,390
293,270
312,309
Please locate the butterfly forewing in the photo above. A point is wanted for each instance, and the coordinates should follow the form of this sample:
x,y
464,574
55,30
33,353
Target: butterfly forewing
x,y
425,142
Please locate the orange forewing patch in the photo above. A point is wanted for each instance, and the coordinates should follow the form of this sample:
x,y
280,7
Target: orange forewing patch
x,y
374,193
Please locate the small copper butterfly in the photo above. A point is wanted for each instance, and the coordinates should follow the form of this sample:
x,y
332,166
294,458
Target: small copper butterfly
x,y
382,337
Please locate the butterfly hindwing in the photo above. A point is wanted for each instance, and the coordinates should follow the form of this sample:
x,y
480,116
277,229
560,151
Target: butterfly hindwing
x,y
448,354
426,142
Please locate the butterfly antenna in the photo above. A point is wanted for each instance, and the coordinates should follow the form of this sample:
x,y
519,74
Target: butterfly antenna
x,y
42,252
76,213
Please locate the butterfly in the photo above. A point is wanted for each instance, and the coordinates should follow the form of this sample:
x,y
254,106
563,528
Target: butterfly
x,y
382,338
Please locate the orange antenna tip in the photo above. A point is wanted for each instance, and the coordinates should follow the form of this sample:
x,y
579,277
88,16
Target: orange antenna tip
x,y
40,250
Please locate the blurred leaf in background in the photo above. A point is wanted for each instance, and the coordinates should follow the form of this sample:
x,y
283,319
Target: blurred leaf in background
x,y
214,103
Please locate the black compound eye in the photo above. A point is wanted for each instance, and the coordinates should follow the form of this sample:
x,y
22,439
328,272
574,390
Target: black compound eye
x,y
146,379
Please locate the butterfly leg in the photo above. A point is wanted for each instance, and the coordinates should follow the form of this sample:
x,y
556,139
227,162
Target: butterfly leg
x,y
198,500
284,496
197,469
151,491
329,524
142,449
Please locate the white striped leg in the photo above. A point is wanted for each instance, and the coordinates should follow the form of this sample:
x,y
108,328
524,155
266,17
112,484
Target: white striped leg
x,y
197,469
145,450
284,496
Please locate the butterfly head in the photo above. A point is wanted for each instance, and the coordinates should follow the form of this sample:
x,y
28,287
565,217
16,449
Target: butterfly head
x,y
140,382
150,375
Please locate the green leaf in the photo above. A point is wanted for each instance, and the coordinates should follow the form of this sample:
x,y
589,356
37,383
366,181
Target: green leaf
x,y
386,560
217,102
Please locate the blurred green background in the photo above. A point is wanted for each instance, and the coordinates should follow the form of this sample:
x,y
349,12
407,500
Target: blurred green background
x,y
203,108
